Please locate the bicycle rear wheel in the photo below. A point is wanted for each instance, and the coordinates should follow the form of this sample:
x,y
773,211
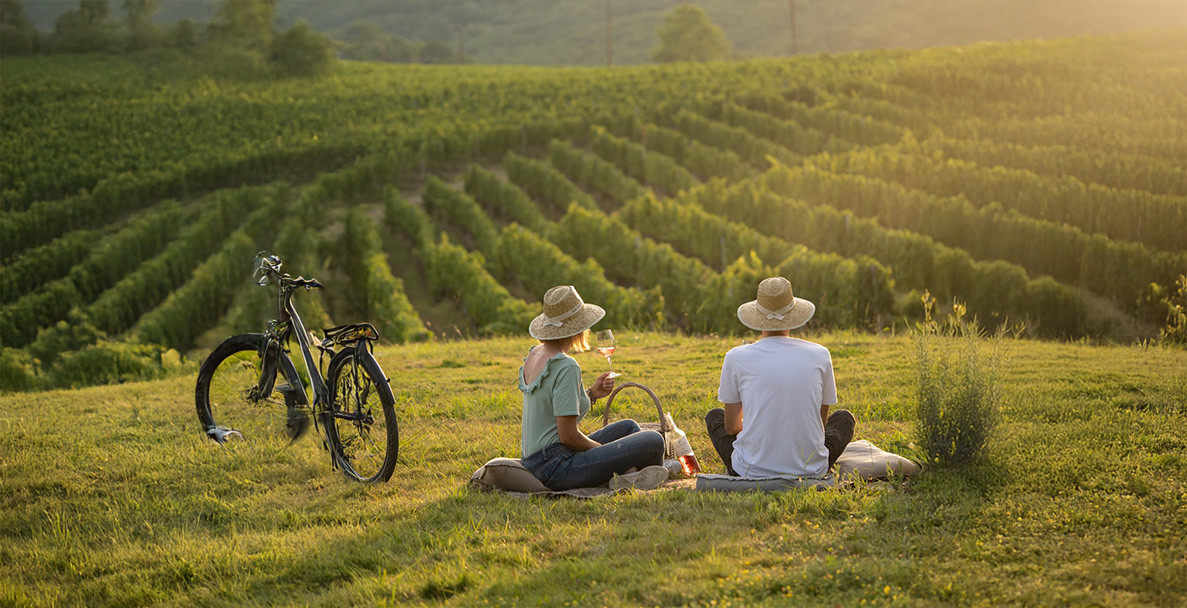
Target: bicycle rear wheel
x,y
229,402
363,434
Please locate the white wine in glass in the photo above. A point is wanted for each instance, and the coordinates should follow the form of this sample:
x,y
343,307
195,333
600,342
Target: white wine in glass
x,y
605,346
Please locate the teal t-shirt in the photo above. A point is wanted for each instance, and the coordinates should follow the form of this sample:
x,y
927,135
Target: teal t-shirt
x,y
557,391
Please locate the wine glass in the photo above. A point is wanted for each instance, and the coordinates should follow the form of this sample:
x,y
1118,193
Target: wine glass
x,y
605,341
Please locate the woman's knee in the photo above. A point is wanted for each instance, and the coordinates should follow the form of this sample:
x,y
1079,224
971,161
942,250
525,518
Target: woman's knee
x,y
653,443
626,426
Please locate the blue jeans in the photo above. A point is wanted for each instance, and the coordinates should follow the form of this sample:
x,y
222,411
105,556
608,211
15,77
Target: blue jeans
x,y
624,446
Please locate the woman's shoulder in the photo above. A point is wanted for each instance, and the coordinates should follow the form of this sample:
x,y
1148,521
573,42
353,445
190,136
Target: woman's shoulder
x,y
562,361
557,360
560,366
556,365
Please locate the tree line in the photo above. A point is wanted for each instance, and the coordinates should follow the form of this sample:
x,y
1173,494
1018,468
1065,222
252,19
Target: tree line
x,y
242,38
687,35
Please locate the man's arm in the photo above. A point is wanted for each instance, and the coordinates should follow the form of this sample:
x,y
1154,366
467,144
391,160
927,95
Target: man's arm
x,y
733,418
824,417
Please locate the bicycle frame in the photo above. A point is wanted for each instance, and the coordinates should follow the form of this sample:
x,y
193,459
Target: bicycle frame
x,y
321,393
288,322
361,398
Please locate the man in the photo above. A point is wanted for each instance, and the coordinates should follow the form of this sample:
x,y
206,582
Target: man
x,y
776,394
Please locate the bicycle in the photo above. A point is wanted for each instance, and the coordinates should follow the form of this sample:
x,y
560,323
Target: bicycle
x,y
355,411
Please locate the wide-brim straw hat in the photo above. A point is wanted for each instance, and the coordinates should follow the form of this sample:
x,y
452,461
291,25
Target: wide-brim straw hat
x,y
776,308
565,314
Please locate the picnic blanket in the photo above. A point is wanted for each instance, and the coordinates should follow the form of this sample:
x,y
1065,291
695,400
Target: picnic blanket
x,y
509,476
860,460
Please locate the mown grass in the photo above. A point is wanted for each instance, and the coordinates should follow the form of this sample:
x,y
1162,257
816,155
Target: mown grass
x,y
111,496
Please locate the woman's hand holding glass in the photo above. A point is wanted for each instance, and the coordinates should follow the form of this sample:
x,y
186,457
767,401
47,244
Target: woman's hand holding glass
x,y
601,387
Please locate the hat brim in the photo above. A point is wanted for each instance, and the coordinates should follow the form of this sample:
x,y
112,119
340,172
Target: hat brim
x,y
800,314
583,320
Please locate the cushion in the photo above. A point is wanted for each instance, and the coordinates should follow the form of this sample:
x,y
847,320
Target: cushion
x,y
774,483
865,460
507,474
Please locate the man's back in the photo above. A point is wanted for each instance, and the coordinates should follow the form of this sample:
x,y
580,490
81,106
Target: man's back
x,y
782,383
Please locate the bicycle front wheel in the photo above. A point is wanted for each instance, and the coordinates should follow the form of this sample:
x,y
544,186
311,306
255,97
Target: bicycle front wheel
x,y
229,401
362,430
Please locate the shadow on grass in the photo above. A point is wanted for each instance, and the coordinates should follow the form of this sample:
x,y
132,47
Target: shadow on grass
x,y
662,548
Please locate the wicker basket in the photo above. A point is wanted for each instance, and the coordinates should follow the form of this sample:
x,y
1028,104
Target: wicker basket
x,y
661,427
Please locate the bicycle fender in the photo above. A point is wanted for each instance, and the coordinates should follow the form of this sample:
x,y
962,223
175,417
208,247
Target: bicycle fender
x,y
269,354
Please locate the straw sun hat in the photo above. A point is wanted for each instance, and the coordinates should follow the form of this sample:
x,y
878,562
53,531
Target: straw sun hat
x,y
776,309
565,314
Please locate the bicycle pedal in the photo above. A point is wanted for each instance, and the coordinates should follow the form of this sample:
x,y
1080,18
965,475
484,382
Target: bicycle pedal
x,y
222,434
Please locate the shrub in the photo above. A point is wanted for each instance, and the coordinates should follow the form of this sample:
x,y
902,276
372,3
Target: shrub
x,y
1175,331
957,387
300,51
108,363
18,371
72,334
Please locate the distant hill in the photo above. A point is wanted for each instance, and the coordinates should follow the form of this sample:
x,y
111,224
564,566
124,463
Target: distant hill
x,y
1037,182
573,32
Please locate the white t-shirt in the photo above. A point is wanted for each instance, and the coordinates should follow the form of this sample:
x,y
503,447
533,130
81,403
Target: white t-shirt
x,y
781,383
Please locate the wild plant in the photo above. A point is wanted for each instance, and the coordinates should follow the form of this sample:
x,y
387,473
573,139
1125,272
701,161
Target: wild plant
x,y
1175,332
956,364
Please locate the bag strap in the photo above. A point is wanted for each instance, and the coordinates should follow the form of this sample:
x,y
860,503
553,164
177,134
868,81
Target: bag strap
x,y
663,424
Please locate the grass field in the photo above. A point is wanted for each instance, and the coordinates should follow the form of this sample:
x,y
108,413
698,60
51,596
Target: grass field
x,y
111,496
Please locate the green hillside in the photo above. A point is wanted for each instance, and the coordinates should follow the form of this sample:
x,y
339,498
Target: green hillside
x,y
1040,184
573,32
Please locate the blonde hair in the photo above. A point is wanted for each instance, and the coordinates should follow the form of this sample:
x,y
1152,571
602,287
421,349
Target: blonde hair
x,y
578,342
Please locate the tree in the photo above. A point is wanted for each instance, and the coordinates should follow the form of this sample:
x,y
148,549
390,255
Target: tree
x,y
300,51
94,12
17,34
245,23
12,14
141,31
437,51
183,34
84,29
365,41
687,34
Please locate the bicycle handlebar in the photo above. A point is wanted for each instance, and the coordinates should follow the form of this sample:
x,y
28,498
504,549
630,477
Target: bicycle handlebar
x,y
267,267
301,282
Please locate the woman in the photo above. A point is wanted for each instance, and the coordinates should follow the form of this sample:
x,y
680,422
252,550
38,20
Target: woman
x,y
554,402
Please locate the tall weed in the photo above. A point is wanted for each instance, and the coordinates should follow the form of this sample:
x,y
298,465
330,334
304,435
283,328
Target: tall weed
x,y
1175,332
957,386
